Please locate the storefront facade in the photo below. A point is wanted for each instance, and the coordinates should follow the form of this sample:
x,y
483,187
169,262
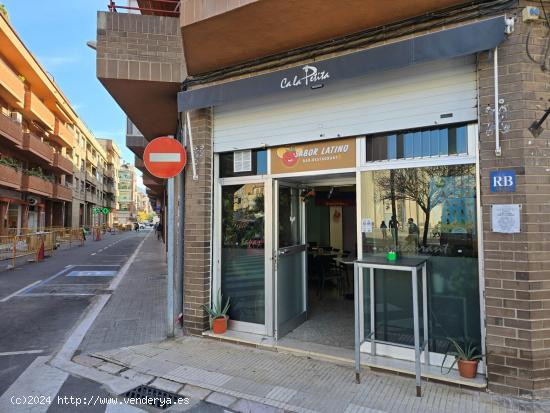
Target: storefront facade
x,y
403,139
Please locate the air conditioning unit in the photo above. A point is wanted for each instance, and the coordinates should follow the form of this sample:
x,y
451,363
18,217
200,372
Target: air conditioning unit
x,y
32,201
17,117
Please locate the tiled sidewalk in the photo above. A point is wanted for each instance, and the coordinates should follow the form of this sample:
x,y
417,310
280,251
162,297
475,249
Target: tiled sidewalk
x,y
249,379
136,312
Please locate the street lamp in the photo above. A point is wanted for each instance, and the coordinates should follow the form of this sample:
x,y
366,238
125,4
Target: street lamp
x,y
536,127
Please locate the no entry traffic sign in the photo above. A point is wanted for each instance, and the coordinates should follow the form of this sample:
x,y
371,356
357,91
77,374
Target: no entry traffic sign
x,y
164,157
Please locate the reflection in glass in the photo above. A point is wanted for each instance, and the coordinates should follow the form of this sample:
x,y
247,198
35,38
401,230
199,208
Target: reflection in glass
x,y
433,215
242,263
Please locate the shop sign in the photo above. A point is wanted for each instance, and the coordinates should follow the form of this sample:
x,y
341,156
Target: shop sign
x,y
311,77
316,156
97,211
503,181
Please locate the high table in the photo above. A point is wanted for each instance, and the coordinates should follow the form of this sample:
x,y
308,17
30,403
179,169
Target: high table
x,y
412,265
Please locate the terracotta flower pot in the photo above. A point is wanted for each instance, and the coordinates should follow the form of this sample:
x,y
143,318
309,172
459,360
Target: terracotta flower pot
x,y
219,325
467,368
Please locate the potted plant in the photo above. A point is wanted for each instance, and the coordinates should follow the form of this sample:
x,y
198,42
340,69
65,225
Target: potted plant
x,y
218,314
467,358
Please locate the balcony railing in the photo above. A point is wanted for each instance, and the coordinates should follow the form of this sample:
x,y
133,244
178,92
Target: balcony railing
x,y
10,177
39,110
37,185
155,7
12,85
63,164
64,133
38,148
62,192
11,130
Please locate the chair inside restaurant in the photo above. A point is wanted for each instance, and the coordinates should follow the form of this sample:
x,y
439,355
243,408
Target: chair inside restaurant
x,y
331,226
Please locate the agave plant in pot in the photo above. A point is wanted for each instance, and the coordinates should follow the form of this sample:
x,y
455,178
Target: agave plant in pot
x,y
467,357
218,314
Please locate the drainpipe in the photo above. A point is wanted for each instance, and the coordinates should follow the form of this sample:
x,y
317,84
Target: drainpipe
x,y
181,230
498,149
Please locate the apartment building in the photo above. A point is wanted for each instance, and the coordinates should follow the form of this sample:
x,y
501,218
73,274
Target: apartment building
x,y
110,179
37,140
358,129
127,198
54,172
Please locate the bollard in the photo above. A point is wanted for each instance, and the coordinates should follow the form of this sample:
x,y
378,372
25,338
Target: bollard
x,y
14,251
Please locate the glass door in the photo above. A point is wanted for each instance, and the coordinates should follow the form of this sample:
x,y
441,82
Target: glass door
x,y
289,258
242,254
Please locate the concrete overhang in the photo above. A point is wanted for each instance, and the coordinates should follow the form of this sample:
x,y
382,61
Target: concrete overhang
x,y
150,105
140,63
218,34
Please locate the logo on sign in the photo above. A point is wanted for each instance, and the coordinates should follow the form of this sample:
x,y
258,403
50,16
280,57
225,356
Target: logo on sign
x,y
311,76
503,181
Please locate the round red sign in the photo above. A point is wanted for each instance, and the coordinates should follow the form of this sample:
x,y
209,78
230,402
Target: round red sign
x,y
164,157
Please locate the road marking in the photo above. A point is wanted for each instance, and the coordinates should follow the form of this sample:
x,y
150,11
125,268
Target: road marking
x,y
57,294
49,278
38,380
122,408
16,353
93,253
3,300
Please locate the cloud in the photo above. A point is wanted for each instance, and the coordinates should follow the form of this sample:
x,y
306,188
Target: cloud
x,y
51,62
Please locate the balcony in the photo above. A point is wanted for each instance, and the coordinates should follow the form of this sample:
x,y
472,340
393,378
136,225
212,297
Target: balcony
x,y
136,144
41,151
10,177
64,135
92,198
37,185
217,34
62,192
110,188
92,179
11,131
108,173
12,88
145,82
62,164
37,110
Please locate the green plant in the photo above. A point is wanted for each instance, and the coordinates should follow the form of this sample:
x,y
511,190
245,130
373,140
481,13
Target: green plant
x,y
4,11
12,163
217,310
468,353
38,172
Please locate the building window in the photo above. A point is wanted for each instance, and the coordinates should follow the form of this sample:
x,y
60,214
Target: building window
x,y
418,143
259,164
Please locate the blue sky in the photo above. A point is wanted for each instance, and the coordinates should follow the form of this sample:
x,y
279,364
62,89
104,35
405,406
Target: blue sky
x,y
56,32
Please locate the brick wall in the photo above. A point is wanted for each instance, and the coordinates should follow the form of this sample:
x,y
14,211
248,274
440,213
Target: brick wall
x,y
136,47
517,267
198,224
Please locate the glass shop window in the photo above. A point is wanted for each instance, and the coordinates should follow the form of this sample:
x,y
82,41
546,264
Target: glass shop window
x,y
425,212
418,143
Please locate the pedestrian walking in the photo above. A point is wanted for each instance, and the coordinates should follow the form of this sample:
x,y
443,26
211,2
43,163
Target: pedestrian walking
x,y
384,229
159,231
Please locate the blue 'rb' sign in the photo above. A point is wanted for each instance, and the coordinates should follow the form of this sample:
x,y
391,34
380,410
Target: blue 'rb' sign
x,y
503,181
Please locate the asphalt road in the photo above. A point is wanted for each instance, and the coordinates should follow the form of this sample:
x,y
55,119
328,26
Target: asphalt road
x,y
40,303
37,320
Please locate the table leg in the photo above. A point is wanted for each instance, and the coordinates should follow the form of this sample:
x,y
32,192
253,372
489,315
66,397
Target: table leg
x,y
372,313
357,325
416,333
425,314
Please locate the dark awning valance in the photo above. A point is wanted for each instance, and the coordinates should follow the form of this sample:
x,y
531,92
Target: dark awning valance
x,y
460,41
